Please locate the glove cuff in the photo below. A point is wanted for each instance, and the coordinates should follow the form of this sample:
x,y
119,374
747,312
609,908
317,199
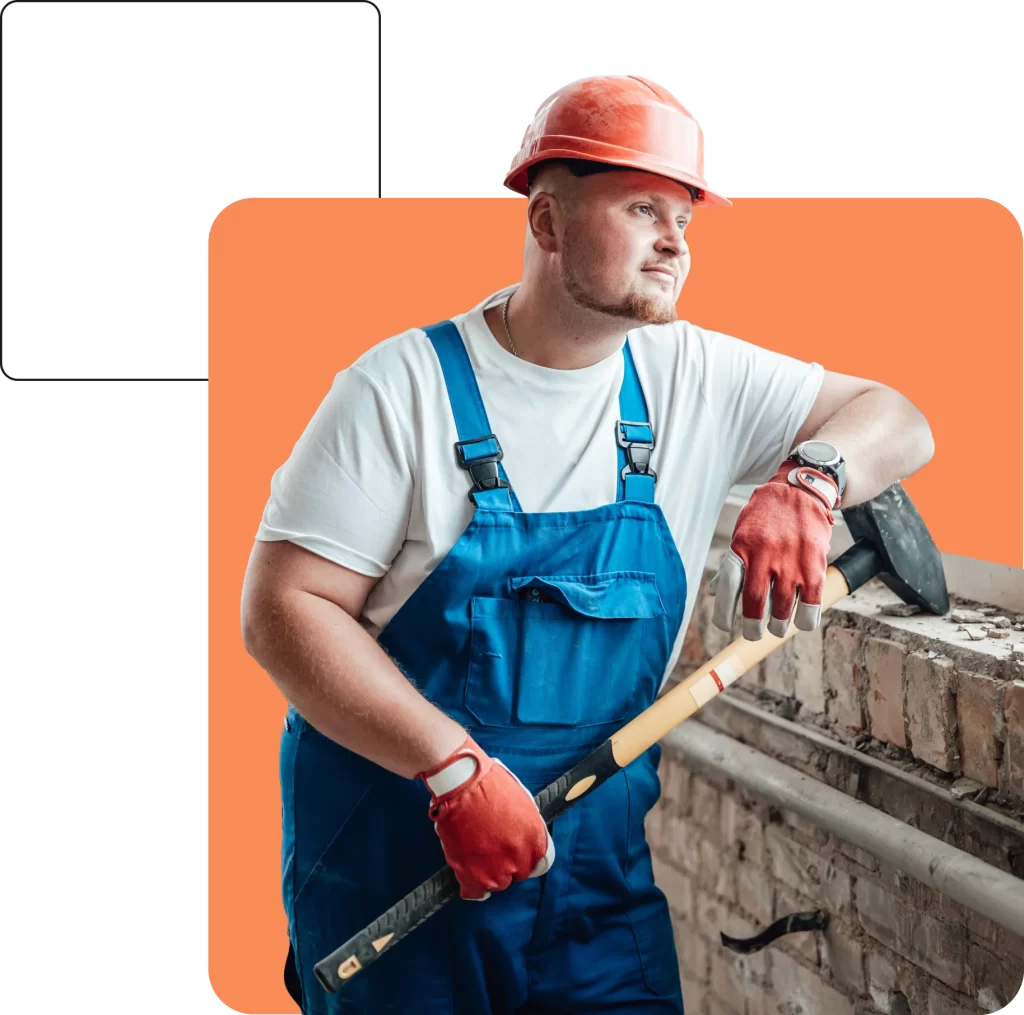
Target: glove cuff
x,y
465,764
817,483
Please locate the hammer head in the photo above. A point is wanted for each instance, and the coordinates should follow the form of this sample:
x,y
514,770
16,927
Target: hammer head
x,y
911,564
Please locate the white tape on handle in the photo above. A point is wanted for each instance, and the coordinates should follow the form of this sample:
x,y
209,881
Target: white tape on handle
x,y
716,681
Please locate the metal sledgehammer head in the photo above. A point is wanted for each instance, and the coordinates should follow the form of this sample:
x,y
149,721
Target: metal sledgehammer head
x,y
907,560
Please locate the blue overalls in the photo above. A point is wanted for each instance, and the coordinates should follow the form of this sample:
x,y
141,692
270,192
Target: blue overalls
x,y
542,634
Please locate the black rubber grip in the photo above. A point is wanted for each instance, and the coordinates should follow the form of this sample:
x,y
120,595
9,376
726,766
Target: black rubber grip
x,y
816,919
401,919
859,564
405,916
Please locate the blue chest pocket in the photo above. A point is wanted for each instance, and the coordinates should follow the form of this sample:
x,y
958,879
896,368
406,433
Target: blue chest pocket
x,y
560,650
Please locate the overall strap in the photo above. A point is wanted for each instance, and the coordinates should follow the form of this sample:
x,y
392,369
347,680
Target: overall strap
x,y
477,450
634,436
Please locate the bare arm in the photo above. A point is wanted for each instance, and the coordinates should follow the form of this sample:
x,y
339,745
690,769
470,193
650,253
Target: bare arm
x,y
299,623
881,434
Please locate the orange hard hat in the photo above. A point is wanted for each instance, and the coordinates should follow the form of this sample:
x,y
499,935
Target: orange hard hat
x,y
622,121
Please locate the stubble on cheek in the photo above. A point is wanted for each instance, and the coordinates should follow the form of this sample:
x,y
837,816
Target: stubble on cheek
x,y
636,304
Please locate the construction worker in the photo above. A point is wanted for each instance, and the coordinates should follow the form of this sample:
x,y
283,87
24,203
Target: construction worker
x,y
479,561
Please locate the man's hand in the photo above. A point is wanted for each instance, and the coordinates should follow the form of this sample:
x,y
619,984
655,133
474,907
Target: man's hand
x,y
778,555
490,828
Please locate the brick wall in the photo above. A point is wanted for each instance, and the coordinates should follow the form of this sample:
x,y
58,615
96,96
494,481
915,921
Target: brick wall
x,y
923,697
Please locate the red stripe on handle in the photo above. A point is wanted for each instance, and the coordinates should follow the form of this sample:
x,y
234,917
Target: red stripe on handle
x,y
718,681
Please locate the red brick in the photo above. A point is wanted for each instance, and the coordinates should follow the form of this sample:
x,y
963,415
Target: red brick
x,y
1014,709
714,638
795,670
936,947
754,892
654,822
692,951
980,702
809,675
730,979
996,938
931,711
842,955
676,885
675,781
681,839
808,832
843,675
859,856
693,991
996,977
803,990
717,870
705,804
741,830
713,1005
883,663
883,976
945,1002
779,669
812,875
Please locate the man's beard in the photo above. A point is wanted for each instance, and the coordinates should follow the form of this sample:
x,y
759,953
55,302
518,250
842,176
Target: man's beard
x,y
634,305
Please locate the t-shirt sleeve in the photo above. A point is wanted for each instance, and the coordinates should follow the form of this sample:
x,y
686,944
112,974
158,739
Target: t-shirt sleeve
x,y
759,399
345,491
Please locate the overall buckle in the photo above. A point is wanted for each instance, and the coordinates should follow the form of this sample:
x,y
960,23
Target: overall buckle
x,y
638,451
483,468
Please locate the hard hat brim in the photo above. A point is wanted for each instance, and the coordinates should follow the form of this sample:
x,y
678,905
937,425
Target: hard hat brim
x,y
611,155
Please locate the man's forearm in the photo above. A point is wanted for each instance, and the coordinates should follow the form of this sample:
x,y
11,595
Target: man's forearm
x,y
343,682
883,437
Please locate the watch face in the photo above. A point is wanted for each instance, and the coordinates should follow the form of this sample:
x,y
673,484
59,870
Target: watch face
x,y
818,451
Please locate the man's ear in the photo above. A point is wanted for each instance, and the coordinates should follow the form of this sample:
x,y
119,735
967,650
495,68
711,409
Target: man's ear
x,y
541,215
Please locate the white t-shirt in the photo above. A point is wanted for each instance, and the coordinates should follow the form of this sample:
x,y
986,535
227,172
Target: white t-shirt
x,y
373,484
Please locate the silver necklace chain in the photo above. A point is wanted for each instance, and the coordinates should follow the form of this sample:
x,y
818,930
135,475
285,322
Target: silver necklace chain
x,y
504,318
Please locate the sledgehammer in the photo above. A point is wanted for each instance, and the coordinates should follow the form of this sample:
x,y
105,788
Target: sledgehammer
x,y
891,542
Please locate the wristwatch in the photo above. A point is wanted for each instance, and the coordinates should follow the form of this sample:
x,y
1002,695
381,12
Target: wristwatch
x,y
822,456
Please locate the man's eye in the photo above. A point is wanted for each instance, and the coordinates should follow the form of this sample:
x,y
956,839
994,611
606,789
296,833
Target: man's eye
x,y
647,206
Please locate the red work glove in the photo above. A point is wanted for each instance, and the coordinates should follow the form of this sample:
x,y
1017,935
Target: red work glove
x,y
488,823
778,554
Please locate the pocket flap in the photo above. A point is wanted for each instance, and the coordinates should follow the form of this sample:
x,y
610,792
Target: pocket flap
x,y
612,595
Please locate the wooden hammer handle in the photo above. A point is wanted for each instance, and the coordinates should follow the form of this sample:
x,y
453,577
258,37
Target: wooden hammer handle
x,y
614,754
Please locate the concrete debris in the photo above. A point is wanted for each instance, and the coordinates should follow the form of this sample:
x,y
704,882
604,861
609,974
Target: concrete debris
x,y
1017,651
965,788
1001,621
966,616
987,610
973,635
996,633
900,609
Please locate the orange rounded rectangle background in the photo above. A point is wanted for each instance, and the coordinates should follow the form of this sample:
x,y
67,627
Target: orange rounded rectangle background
x,y
923,295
